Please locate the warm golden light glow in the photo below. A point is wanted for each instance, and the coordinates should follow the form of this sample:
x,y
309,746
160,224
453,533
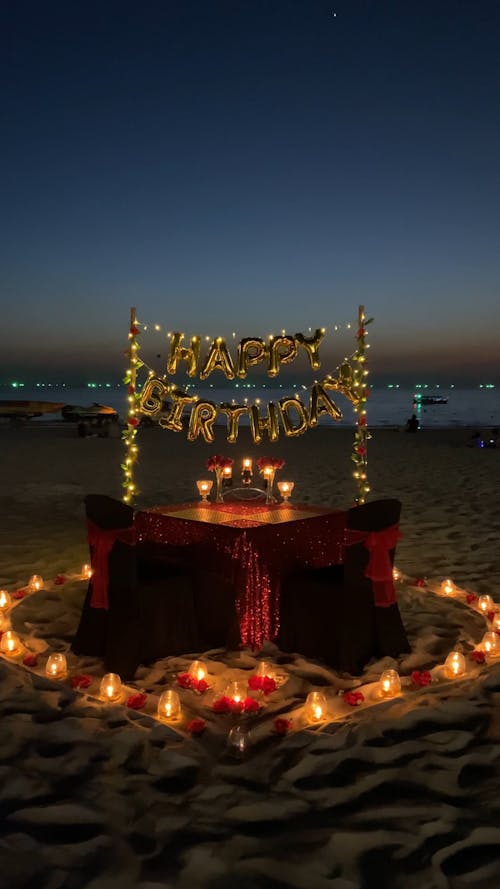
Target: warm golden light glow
x,y
315,708
198,671
285,489
56,666
389,684
111,687
490,643
10,643
204,486
396,574
169,705
454,665
5,601
236,692
86,572
485,604
35,583
448,588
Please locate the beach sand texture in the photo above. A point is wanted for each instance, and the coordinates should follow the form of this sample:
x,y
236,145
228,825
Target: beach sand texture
x,y
403,794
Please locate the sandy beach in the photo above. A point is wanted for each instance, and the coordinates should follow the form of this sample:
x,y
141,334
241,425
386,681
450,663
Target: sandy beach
x,y
402,793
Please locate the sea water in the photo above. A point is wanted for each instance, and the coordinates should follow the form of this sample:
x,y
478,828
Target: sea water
x,y
387,406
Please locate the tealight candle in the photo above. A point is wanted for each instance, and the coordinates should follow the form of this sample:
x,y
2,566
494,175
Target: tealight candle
x,y
86,572
198,670
265,668
490,643
239,738
204,486
10,643
236,692
56,666
496,621
169,705
396,574
315,707
111,687
35,583
285,489
5,600
389,684
227,476
485,604
454,665
448,588
246,472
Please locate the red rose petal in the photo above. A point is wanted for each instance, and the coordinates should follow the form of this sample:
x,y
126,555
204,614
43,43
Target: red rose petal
x,y
282,726
29,660
81,680
184,680
196,726
136,702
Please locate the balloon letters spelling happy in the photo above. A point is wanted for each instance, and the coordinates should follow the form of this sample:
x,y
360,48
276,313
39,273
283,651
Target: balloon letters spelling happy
x,y
218,358
251,350
180,353
282,350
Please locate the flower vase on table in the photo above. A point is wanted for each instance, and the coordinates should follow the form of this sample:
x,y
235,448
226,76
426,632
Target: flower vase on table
x,y
218,464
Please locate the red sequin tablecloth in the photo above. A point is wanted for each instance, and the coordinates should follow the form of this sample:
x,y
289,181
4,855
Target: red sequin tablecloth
x,y
256,543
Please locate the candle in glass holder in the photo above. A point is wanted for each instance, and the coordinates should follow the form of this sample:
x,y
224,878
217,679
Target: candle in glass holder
x,y
198,671
265,668
204,486
389,684
236,692
448,588
496,621
56,666
454,665
35,583
227,476
239,738
315,707
169,705
246,471
285,489
86,572
10,643
485,604
5,601
490,643
111,687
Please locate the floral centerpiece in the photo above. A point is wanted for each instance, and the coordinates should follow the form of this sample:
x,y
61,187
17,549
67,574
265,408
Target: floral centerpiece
x,y
217,463
267,467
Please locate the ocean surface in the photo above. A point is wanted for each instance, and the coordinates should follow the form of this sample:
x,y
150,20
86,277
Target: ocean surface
x,y
476,407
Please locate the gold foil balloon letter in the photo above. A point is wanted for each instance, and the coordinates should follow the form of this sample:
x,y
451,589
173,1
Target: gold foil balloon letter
x,y
153,396
234,412
311,345
268,424
290,405
202,420
218,358
250,351
282,350
180,353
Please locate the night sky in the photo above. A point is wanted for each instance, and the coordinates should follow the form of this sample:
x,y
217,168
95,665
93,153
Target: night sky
x,y
229,165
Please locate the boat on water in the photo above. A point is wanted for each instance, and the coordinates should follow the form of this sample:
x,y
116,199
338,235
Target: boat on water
x,y
16,409
95,411
430,399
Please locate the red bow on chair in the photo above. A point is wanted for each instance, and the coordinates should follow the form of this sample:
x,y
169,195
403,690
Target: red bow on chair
x,y
379,569
101,543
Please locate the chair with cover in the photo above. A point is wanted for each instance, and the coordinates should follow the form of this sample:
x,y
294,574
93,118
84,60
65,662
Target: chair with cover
x,y
346,615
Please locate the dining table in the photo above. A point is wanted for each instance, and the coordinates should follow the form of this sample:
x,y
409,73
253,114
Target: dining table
x,y
254,544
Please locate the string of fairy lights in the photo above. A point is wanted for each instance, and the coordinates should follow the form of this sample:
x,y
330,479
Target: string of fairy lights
x,y
349,378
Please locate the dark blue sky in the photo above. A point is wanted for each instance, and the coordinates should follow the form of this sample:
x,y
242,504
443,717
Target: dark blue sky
x,y
251,166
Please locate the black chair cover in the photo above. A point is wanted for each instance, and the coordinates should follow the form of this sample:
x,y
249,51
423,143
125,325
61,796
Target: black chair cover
x,y
330,614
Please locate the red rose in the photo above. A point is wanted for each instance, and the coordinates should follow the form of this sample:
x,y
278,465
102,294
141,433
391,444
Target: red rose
x,y
268,685
361,450
134,330
421,678
282,726
250,705
362,420
196,726
491,615
353,698
184,680
19,594
478,656
133,421
200,685
222,705
60,579
131,389
137,701
29,660
255,683
471,598
81,680
419,581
